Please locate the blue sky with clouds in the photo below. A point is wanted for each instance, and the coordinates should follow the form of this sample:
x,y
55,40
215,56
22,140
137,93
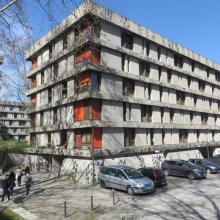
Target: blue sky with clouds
x,y
192,23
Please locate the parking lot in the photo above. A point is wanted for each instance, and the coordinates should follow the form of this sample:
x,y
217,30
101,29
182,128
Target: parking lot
x,y
181,199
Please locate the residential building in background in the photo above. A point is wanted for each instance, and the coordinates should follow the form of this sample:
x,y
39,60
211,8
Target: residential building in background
x,y
14,122
100,81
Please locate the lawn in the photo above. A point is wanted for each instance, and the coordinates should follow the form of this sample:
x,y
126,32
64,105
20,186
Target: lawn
x,y
7,214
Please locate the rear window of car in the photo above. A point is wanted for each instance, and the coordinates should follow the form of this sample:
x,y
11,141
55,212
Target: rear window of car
x,y
104,170
171,162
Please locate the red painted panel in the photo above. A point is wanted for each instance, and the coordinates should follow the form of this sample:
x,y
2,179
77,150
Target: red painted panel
x,y
34,63
97,139
95,56
96,109
33,101
78,112
78,141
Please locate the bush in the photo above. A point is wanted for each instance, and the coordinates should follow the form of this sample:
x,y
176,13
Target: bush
x,y
11,146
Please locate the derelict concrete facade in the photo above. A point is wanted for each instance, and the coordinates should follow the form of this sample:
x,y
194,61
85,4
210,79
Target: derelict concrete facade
x,y
14,122
152,94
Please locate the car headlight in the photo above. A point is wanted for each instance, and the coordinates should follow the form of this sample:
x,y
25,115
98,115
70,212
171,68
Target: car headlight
x,y
196,170
140,185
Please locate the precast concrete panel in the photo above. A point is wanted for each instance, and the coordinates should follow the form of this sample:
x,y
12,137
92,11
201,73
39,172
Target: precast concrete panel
x,y
70,88
110,33
154,72
136,112
139,90
183,82
175,136
170,58
186,64
156,114
163,56
168,136
69,114
45,56
208,89
38,100
141,137
209,136
111,58
134,66
175,78
70,139
62,66
166,116
155,93
157,137
38,79
58,47
189,100
112,111
55,137
192,136
211,120
113,139
172,96
165,95
163,77
138,46
153,51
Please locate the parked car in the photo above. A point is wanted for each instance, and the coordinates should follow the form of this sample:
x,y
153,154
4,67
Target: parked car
x,y
183,168
210,166
215,159
125,178
157,175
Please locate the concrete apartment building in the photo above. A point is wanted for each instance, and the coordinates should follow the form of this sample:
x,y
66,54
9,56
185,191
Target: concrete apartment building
x,y
101,81
14,122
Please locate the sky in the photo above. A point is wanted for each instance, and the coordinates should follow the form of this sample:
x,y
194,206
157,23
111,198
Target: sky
x,y
191,23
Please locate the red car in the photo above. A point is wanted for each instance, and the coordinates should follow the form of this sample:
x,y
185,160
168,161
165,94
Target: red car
x,y
157,175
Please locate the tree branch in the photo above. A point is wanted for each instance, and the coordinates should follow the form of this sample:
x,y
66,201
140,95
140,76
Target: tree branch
x,y
8,5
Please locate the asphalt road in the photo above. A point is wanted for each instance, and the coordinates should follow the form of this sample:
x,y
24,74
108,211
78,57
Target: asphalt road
x,y
181,199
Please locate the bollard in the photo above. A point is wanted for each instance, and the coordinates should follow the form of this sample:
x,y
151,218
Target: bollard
x,y
113,196
91,202
132,195
64,208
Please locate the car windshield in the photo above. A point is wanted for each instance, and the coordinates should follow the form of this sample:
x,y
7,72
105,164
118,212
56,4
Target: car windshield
x,y
133,174
189,164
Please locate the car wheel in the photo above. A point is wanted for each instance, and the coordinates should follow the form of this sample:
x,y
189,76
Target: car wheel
x,y
209,171
166,172
102,184
191,176
130,190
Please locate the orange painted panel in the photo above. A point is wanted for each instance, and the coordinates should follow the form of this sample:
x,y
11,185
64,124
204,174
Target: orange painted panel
x,y
78,112
78,141
85,78
95,56
97,139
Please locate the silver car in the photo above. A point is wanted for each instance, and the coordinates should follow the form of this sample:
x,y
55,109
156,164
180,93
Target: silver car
x,y
125,178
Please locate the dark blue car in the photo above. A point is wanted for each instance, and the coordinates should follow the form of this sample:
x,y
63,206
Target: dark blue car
x,y
210,166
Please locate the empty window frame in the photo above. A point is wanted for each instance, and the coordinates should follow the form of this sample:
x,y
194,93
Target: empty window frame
x,y
50,51
180,96
204,118
171,116
147,48
158,53
55,116
41,119
183,136
127,40
178,61
55,70
42,77
128,87
129,137
146,113
64,89
169,76
65,41
144,68
50,95
193,66
201,86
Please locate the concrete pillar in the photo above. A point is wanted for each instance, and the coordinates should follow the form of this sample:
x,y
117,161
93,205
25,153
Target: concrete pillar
x,y
57,164
207,151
